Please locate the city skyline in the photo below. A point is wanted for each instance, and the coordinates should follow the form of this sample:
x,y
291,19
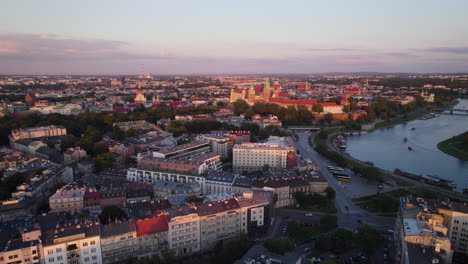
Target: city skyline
x,y
50,37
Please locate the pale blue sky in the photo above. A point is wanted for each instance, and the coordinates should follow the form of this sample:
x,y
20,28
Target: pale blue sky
x,y
104,37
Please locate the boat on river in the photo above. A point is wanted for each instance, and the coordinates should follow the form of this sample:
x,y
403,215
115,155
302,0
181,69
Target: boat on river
x,y
410,148
465,190
430,179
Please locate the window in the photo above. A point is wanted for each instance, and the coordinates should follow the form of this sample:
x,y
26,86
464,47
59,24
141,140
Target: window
x,y
94,257
58,250
93,242
86,259
59,258
51,259
93,250
50,251
85,244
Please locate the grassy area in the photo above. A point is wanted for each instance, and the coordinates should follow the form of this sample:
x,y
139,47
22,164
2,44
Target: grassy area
x,y
324,208
402,119
455,146
384,204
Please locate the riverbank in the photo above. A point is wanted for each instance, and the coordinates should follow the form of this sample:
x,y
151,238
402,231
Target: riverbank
x,y
454,146
353,163
399,120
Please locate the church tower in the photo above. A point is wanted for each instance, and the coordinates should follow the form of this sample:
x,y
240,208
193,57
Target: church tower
x,y
266,94
251,94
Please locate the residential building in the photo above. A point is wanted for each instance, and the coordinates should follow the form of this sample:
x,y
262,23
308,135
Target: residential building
x,y
421,232
20,251
136,125
184,230
74,154
69,198
79,243
220,145
152,234
37,132
218,221
119,242
182,151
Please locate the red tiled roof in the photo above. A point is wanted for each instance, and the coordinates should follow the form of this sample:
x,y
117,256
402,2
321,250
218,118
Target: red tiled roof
x,y
152,225
293,101
283,94
352,89
301,87
328,104
174,102
90,195
258,89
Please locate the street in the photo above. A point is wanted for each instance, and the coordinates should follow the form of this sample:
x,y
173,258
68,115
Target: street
x,y
349,215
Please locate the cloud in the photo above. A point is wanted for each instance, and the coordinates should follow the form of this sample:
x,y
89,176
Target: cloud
x,y
331,49
453,50
401,54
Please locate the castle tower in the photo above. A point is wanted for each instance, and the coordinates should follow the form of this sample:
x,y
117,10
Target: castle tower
x,y
251,94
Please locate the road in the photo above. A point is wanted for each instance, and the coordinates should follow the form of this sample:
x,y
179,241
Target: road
x,y
349,215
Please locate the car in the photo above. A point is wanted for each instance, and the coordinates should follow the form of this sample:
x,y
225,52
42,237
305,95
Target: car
x,y
359,221
346,207
309,214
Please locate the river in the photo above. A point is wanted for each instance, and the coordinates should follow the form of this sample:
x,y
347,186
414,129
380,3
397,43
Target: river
x,y
387,149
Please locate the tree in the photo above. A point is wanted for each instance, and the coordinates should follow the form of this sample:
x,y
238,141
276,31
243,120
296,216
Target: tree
x,y
329,118
328,222
193,199
111,213
317,108
368,239
324,243
372,174
331,193
301,198
278,245
240,106
104,160
266,167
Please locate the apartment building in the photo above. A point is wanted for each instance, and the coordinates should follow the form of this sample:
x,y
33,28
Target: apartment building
x,y
74,154
152,235
69,198
183,151
421,233
250,157
220,144
37,132
118,242
20,251
73,244
218,221
137,125
184,230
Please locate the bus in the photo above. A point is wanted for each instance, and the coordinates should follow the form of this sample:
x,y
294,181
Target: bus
x,y
344,178
341,176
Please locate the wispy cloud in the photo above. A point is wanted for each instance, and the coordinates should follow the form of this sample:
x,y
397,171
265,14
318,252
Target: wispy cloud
x,y
452,50
331,49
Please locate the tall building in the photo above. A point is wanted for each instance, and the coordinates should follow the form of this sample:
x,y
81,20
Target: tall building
x,y
429,231
250,157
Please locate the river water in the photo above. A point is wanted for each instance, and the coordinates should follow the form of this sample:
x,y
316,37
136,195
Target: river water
x,y
387,149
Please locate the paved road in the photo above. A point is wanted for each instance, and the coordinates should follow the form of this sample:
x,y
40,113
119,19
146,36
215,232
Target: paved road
x,y
350,217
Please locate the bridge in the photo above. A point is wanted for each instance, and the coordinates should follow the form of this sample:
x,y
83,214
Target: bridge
x,y
451,111
304,128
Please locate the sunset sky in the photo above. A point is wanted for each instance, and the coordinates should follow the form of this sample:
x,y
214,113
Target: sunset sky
x,y
203,37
